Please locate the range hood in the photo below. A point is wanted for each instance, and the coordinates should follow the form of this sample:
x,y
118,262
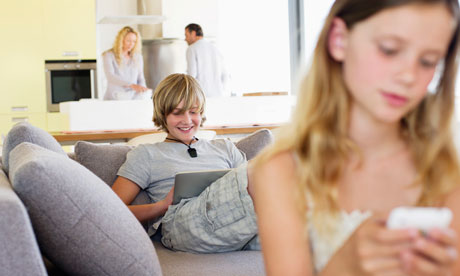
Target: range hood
x,y
132,19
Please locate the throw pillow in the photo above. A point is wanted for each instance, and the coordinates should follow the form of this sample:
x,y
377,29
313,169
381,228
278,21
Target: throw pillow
x,y
103,160
25,132
255,142
80,223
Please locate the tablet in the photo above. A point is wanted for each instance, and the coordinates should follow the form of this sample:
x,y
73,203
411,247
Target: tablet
x,y
191,184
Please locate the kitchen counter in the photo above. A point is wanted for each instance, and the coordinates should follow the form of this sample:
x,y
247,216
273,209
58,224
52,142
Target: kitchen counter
x,y
98,115
120,136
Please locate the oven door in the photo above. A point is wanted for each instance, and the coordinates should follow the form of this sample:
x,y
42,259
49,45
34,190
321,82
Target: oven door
x,y
69,81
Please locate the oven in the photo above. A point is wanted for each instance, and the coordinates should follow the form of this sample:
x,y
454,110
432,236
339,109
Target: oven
x,y
69,80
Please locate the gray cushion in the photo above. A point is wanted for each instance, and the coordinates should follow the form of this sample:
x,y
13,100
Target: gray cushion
x,y
253,143
19,254
80,223
103,160
25,132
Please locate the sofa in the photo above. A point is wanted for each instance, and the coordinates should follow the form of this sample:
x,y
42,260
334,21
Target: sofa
x,y
59,215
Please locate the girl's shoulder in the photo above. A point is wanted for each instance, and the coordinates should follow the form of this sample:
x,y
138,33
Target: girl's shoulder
x,y
284,161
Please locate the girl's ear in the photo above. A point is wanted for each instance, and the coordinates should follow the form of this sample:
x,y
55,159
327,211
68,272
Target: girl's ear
x,y
337,39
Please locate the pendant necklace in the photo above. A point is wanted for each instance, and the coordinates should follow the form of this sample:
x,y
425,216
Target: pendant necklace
x,y
191,151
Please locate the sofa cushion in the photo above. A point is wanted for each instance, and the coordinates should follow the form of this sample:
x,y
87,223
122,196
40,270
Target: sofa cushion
x,y
25,132
80,223
103,160
222,264
16,236
255,142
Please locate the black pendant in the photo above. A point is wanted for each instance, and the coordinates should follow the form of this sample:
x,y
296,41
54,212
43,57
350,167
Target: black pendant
x,y
192,152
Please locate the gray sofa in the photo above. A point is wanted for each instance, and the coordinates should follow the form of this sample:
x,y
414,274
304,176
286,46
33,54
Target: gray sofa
x,y
60,217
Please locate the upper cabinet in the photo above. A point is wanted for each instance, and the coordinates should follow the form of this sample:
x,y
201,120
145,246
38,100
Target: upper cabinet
x,y
69,29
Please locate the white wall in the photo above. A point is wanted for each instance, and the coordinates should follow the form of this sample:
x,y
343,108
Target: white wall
x,y
254,38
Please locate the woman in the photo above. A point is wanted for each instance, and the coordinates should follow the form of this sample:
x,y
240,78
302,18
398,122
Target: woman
x,y
226,205
124,68
366,137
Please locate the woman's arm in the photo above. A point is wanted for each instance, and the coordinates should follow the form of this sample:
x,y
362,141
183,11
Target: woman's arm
x,y
127,190
284,242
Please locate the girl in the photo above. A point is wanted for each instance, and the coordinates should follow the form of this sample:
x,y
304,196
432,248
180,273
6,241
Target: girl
x,y
366,137
124,68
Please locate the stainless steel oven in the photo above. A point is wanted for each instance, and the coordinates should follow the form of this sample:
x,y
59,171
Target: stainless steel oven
x,y
69,80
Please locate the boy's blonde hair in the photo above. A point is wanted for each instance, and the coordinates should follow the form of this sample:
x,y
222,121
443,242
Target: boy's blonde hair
x,y
171,91
118,43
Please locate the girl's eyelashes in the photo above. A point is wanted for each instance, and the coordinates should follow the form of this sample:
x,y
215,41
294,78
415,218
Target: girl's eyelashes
x,y
388,51
428,63
392,51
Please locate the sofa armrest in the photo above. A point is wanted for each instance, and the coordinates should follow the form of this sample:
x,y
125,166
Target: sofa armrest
x,y
19,253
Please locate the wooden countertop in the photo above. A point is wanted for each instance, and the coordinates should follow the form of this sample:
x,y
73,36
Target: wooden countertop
x,y
70,137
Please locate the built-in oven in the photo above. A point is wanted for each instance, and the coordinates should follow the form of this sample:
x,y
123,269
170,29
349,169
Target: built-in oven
x,y
69,80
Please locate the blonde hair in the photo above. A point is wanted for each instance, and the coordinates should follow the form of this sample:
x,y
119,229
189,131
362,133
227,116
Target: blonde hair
x,y
171,91
117,47
318,134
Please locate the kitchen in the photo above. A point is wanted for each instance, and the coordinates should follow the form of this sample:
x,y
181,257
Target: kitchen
x,y
70,30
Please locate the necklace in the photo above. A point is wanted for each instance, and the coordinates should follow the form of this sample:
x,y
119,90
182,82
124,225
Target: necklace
x,y
191,151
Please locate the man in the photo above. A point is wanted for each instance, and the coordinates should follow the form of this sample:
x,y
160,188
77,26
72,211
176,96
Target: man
x,y
205,63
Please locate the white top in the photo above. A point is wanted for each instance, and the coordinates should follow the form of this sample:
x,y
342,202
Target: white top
x,y
119,77
324,246
205,63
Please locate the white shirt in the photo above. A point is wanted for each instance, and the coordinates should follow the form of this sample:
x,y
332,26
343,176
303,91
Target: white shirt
x,y
205,63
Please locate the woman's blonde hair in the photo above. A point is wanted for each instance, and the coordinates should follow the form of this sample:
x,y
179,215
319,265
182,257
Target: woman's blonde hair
x,y
171,91
318,134
117,47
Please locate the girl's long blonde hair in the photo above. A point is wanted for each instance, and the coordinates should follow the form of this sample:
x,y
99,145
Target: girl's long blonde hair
x,y
117,47
318,133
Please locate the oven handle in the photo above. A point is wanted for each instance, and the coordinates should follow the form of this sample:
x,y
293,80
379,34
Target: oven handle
x,y
93,84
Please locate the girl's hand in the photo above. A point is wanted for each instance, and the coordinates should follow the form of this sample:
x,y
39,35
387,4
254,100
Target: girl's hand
x,y
434,254
373,250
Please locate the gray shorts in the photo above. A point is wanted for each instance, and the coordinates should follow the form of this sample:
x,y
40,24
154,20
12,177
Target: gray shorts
x,y
220,219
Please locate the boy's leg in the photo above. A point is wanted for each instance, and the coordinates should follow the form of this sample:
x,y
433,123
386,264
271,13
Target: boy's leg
x,y
220,219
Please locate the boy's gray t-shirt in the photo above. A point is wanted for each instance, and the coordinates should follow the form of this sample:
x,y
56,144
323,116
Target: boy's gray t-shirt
x,y
154,166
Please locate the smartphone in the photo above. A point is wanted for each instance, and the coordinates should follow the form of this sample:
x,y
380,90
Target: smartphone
x,y
422,218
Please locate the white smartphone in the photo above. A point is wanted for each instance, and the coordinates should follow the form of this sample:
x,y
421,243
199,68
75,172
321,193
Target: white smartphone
x,y
422,218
